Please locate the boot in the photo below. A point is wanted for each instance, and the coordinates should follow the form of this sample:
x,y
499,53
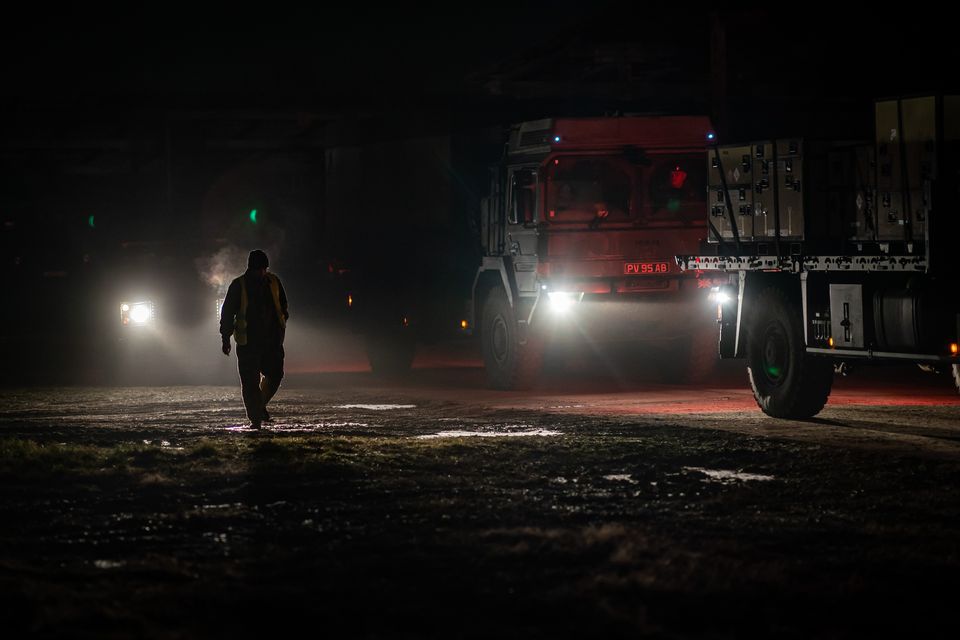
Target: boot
x,y
267,391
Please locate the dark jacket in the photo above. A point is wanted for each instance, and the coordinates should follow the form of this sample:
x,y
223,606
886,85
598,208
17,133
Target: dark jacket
x,y
263,325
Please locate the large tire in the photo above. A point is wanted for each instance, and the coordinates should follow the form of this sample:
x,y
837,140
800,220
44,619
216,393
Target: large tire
x,y
390,353
787,382
509,364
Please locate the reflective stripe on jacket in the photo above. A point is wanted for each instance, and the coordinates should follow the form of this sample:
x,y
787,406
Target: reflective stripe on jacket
x,y
240,324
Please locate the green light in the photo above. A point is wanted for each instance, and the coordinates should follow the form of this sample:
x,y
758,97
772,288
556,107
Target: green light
x,y
90,222
774,371
253,216
673,205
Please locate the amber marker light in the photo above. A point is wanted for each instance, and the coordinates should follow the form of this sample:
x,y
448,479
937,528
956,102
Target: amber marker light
x,y
464,324
953,349
830,342
349,300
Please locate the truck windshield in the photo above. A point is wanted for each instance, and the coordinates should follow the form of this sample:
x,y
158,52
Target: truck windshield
x,y
666,188
582,189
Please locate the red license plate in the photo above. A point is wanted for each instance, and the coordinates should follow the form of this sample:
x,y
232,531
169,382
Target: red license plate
x,y
645,268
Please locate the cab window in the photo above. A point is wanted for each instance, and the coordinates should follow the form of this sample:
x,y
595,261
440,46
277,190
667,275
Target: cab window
x,y
581,189
676,188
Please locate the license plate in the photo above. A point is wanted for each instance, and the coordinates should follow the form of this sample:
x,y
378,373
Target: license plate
x,y
645,268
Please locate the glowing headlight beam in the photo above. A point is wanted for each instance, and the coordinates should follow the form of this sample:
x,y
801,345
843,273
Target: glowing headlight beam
x,y
136,313
141,313
720,296
563,301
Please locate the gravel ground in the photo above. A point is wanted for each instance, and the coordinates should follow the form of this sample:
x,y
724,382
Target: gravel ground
x,y
432,509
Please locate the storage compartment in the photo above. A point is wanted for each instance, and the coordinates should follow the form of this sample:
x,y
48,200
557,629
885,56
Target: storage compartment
x,y
787,179
906,165
851,191
732,167
792,186
763,188
846,316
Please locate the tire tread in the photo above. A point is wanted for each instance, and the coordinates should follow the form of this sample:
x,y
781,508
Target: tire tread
x,y
815,375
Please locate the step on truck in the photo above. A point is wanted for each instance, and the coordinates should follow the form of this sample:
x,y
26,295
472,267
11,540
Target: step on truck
x,y
533,236
837,253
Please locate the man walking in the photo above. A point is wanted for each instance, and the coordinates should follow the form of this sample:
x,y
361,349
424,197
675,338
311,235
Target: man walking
x,y
255,312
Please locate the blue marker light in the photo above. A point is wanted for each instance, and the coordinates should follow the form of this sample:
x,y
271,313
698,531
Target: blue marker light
x,y
711,136
556,138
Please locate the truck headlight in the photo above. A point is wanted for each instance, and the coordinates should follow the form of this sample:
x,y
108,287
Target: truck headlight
x,y
720,295
137,314
562,301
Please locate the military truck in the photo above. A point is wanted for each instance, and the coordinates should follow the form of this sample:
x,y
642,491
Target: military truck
x,y
578,231
837,253
570,234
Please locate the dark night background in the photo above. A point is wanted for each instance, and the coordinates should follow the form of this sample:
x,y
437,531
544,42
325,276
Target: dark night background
x,y
135,500
140,140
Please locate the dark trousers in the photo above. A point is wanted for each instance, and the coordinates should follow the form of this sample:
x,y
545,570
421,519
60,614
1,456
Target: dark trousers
x,y
254,361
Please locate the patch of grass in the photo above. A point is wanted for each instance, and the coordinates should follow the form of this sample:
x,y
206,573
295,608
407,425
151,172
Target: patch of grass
x,y
27,456
203,449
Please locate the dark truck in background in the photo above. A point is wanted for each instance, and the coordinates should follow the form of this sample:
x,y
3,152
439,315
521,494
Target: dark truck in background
x,y
550,231
401,221
837,253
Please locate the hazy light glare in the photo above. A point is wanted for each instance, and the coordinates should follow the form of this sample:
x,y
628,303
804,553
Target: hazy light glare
x,y
720,296
561,301
141,312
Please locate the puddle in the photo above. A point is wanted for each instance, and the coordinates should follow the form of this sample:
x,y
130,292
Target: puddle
x,y
376,407
319,426
108,564
726,476
490,434
621,477
206,507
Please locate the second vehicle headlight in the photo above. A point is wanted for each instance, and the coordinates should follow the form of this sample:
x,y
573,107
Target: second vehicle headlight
x,y
136,313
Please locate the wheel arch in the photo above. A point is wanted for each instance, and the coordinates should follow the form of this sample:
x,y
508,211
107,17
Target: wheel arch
x,y
752,284
492,273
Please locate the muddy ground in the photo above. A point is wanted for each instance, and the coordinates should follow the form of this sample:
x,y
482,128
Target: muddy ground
x,y
433,509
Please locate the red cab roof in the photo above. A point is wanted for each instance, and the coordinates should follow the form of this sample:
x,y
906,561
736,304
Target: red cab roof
x,y
649,132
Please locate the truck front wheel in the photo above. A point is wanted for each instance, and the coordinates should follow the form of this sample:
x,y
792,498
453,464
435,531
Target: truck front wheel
x,y
510,364
787,382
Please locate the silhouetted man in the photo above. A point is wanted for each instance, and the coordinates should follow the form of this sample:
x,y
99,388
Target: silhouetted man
x,y
255,312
